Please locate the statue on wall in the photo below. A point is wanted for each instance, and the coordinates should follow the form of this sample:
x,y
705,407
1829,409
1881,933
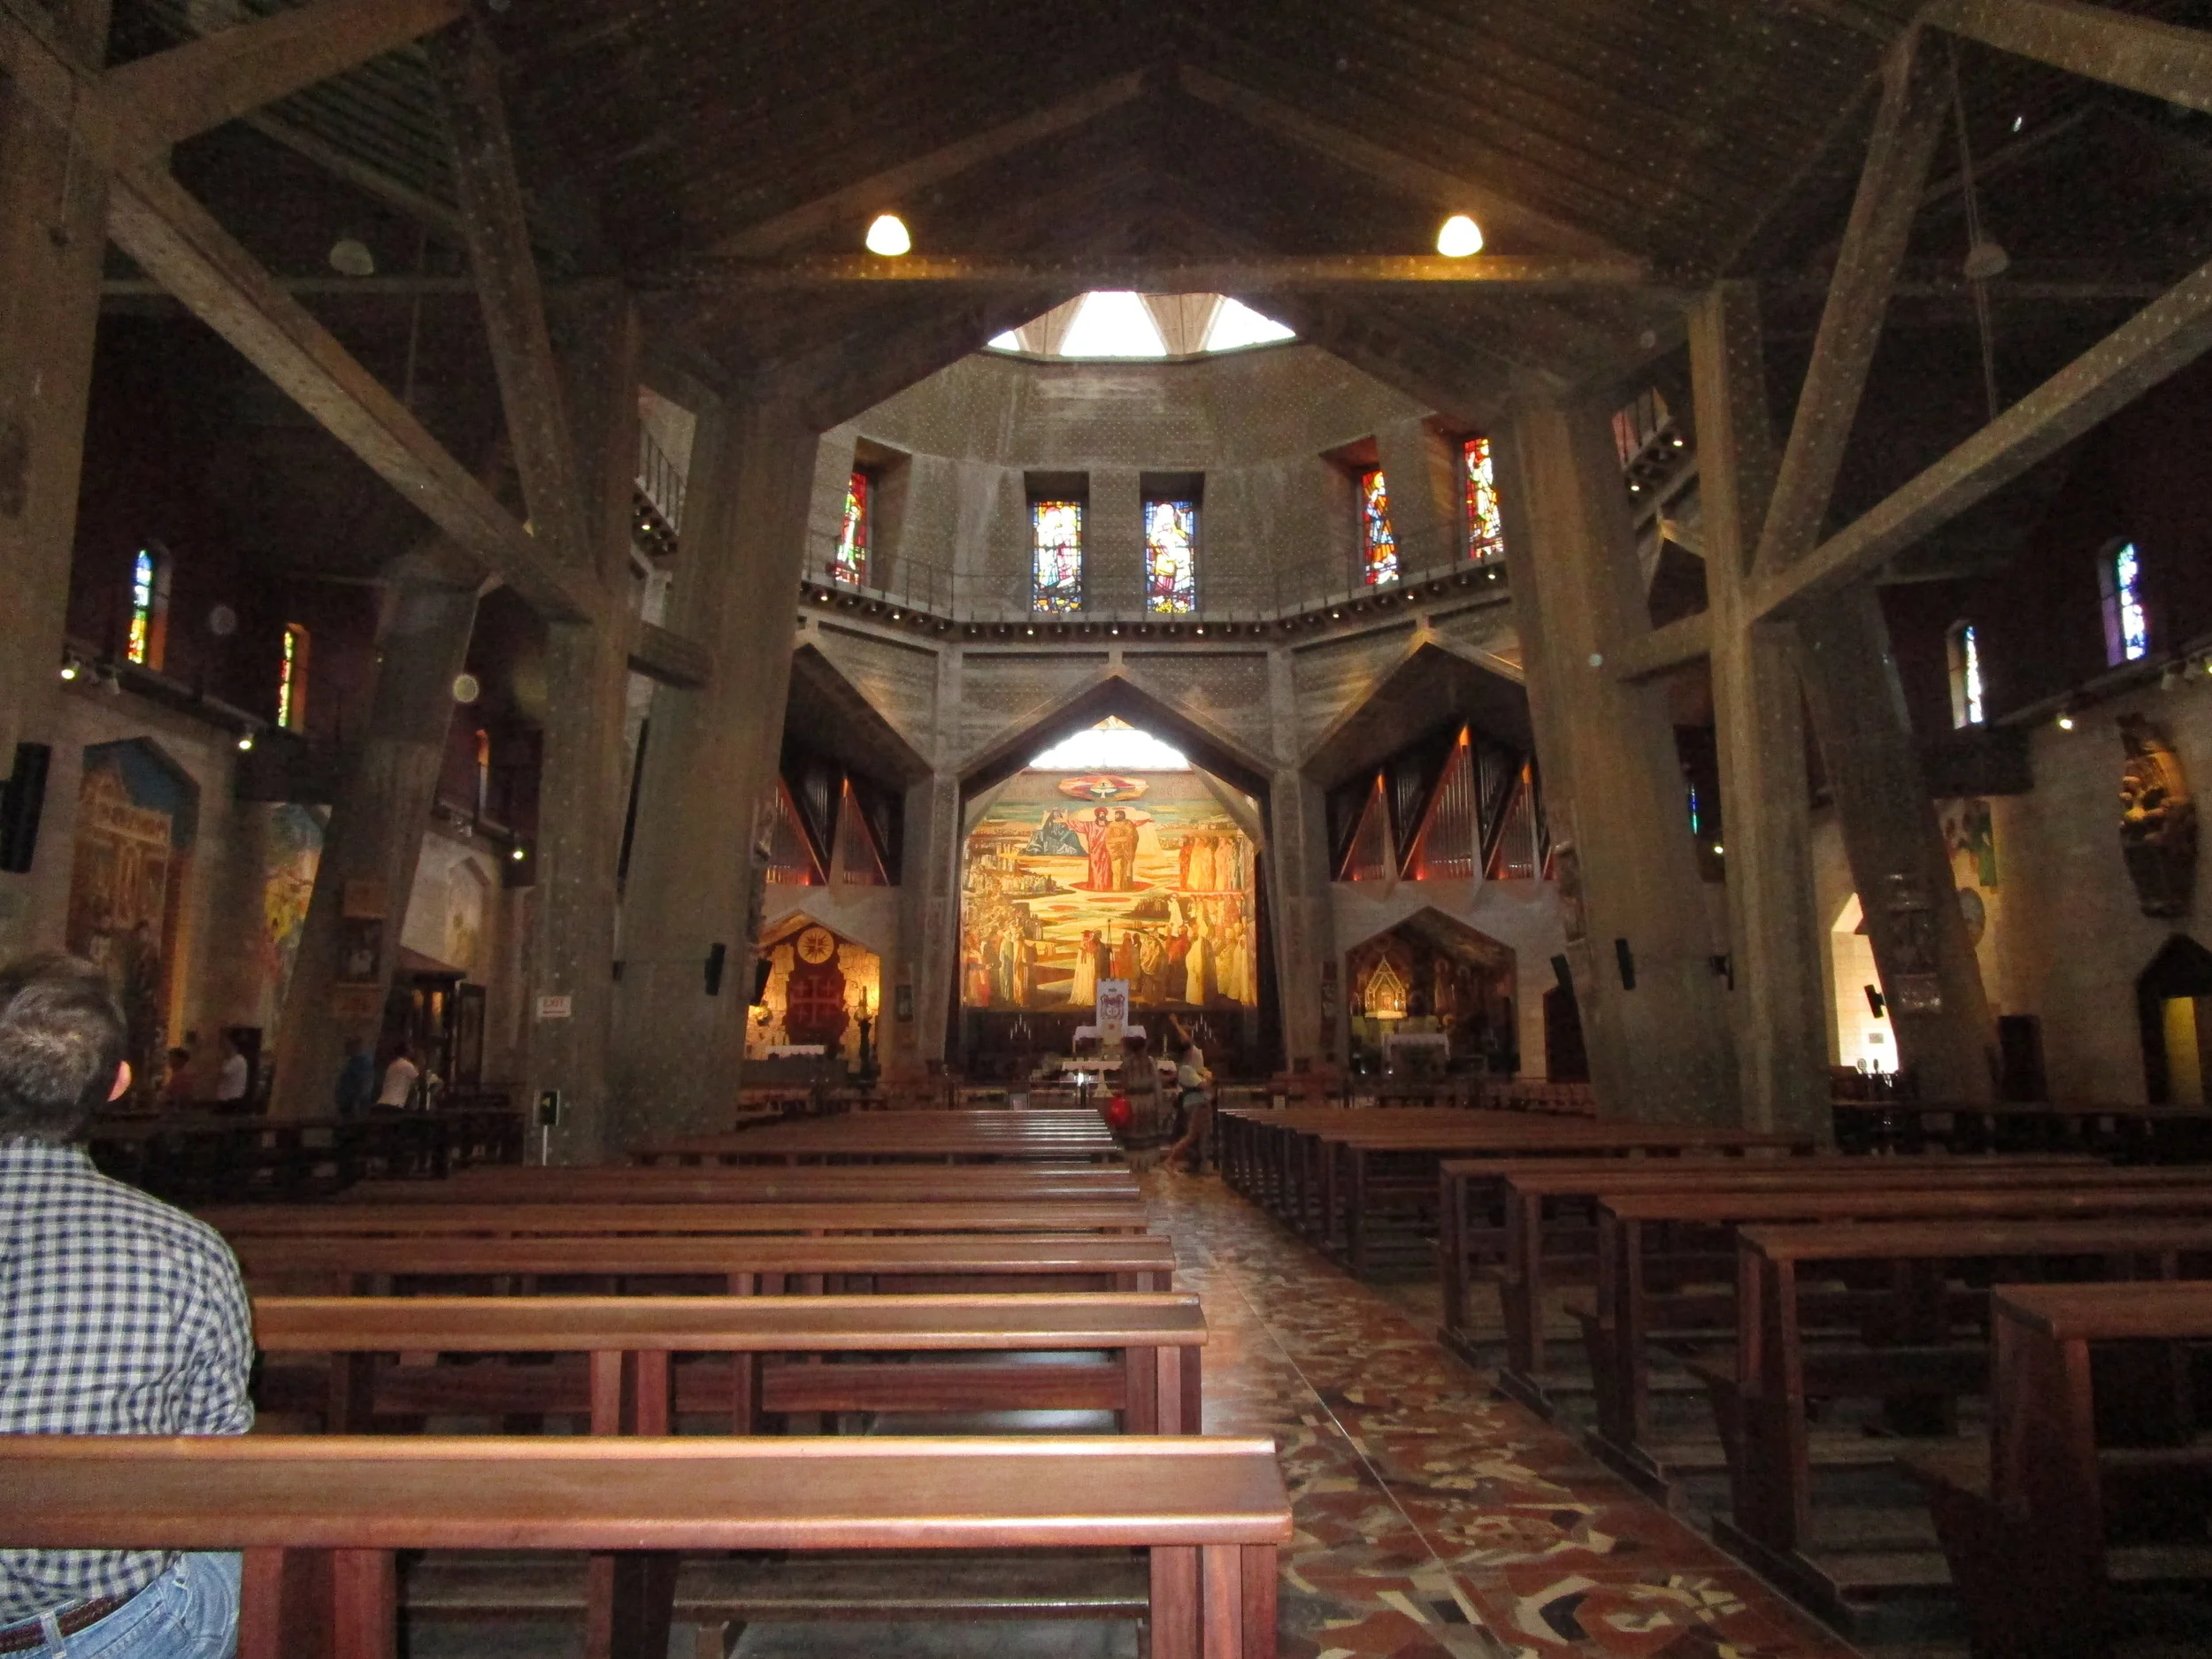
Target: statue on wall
x,y
2158,820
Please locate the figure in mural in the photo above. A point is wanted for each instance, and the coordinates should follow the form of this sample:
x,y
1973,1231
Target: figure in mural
x,y
2158,820
1100,848
1121,851
1969,833
1055,838
1083,990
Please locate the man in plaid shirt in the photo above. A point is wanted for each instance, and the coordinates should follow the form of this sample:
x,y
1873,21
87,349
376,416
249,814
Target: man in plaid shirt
x,y
118,1315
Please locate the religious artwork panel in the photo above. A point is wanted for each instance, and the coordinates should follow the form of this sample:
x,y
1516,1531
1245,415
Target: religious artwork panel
x,y
821,992
1486,523
1170,557
1378,546
1056,556
850,565
1072,879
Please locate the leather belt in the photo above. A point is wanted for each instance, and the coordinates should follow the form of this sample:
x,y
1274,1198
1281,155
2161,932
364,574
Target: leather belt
x,y
29,1634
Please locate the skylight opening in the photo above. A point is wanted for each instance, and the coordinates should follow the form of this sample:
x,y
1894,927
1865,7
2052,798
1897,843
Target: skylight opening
x,y
1113,323
1237,324
1112,745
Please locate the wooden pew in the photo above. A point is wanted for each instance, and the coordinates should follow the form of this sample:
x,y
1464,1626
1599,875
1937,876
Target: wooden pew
x,y
738,1264
1529,1191
628,1381
556,1220
322,1517
1048,1137
2025,1521
1618,1331
763,1184
1761,1403
2138,1133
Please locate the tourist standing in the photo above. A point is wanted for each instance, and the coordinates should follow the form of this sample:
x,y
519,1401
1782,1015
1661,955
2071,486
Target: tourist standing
x,y
399,1078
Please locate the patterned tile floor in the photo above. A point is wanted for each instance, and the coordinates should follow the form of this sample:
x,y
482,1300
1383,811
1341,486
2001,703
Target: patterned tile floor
x,y
1435,1517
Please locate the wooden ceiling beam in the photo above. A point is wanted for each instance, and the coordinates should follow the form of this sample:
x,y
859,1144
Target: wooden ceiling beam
x,y
1162,273
178,243
1906,126
1662,650
2160,60
464,65
2165,337
885,189
203,83
1447,191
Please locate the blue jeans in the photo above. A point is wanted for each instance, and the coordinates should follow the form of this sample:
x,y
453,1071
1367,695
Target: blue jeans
x,y
190,1612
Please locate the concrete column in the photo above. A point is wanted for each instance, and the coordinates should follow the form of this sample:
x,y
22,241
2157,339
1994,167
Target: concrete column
x,y
1659,1051
1774,935
1298,884
929,896
1929,977
582,783
677,1050
53,214
376,828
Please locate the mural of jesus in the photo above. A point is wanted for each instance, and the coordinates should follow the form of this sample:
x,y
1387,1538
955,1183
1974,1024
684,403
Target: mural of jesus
x,y
1097,841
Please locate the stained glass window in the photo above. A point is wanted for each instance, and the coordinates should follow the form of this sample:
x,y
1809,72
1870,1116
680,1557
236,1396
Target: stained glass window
x,y
150,608
292,680
1170,557
1056,556
1966,674
851,564
1378,548
1485,530
2127,624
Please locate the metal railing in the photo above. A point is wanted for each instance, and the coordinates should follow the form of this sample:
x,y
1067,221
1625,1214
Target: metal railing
x,y
1270,594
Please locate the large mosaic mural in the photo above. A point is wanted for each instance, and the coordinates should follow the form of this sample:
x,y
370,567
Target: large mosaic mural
x,y
1070,878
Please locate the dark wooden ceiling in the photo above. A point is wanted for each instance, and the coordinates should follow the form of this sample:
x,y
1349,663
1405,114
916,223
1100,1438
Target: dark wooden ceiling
x,y
1702,135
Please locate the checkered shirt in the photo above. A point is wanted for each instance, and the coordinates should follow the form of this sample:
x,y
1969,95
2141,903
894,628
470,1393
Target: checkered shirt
x,y
117,1316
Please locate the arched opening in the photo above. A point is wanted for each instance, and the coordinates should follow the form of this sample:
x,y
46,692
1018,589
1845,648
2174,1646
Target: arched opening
x,y
1429,996
2173,1000
815,996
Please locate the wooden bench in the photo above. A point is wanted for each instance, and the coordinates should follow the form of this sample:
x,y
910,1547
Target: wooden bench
x,y
762,1183
2138,1133
1762,1400
629,1384
738,1264
555,1220
2028,1523
1528,1193
1630,1308
957,1137
321,1517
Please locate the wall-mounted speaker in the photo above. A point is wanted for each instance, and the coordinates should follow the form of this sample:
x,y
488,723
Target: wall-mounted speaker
x,y
716,956
1624,959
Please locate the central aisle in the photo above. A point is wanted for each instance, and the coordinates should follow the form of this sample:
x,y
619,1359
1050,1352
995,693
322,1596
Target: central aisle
x,y
1435,1517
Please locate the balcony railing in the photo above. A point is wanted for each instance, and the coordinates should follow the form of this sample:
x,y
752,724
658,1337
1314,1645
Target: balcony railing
x,y
919,589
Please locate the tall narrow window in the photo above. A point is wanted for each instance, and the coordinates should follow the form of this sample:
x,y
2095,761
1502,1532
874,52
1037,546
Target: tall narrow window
x,y
483,773
1378,548
150,608
1170,557
292,680
1965,651
1486,529
1056,556
2127,626
851,564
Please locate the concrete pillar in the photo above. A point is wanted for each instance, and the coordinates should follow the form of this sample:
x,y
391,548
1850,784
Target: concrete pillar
x,y
53,214
676,1049
1113,538
1298,887
582,783
1660,1051
374,842
1930,977
929,912
1774,935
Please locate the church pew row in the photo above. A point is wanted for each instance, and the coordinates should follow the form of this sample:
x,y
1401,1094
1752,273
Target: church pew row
x,y
321,1517
1651,1243
737,1264
623,1378
1343,1177
2042,1522
1913,1363
314,1221
765,1184
959,1137
209,1154
2132,1133
1524,1223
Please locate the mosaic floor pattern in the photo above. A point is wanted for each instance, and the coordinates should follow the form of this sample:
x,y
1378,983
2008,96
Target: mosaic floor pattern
x,y
1435,1517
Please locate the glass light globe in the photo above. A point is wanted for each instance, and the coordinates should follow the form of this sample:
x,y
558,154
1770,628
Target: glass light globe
x,y
887,236
1459,237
